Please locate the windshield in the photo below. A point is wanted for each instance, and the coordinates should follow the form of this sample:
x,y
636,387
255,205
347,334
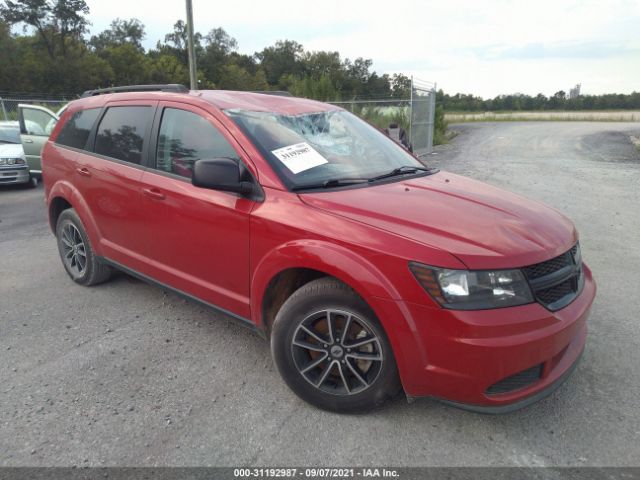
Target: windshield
x,y
329,146
9,134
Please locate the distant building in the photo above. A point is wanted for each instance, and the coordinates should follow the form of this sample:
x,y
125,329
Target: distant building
x,y
575,91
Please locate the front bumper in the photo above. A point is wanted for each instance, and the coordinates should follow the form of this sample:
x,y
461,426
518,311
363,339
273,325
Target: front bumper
x,y
461,356
524,402
14,174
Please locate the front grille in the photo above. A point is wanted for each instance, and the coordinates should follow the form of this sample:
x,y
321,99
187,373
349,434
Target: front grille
x,y
517,381
557,282
553,294
545,268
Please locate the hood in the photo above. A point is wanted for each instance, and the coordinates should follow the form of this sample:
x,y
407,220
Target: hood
x,y
484,226
11,150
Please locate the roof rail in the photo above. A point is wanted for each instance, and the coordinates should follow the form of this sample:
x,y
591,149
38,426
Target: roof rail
x,y
169,87
278,93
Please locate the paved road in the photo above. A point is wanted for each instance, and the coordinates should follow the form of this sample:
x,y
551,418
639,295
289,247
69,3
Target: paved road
x,y
125,374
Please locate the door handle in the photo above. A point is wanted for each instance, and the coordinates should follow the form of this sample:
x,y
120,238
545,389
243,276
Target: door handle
x,y
153,193
28,140
84,171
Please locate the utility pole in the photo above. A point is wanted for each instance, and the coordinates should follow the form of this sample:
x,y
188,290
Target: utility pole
x,y
191,48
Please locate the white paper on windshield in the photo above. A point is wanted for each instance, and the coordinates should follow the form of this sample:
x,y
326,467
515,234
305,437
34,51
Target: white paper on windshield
x,y
299,157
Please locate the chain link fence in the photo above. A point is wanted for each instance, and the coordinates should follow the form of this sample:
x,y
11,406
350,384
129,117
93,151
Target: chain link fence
x,y
415,115
9,104
423,111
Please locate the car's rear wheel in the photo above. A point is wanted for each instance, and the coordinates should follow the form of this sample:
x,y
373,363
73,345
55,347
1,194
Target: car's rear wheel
x,y
331,350
76,253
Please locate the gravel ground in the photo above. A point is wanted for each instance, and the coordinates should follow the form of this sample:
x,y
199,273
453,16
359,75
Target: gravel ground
x,y
126,374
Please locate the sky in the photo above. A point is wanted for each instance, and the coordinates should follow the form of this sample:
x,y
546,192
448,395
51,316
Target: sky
x,y
483,47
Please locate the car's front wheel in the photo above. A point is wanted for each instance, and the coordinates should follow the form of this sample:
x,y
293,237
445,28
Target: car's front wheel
x,y
331,350
32,182
76,253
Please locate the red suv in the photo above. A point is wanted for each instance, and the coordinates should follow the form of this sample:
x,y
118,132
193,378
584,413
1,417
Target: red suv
x,y
367,271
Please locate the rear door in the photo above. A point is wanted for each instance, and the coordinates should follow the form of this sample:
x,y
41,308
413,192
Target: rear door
x,y
108,177
36,124
197,239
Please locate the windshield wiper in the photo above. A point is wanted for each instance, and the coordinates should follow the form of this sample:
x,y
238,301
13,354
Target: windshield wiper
x,y
332,182
340,182
403,170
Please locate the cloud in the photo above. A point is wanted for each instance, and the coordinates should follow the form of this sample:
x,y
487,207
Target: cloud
x,y
485,47
587,50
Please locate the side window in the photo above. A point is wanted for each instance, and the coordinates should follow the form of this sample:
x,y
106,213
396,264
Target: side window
x,y
76,131
37,122
185,137
121,133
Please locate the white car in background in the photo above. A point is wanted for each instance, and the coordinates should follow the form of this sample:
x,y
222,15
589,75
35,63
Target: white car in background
x,y
13,163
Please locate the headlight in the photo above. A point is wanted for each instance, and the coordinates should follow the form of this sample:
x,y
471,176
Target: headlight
x,y
473,289
12,161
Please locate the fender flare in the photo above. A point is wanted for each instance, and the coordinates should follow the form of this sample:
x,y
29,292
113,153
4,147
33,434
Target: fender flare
x,y
68,192
352,269
326,257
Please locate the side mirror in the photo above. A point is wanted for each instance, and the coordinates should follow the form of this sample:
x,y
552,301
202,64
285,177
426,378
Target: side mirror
x,y
220,174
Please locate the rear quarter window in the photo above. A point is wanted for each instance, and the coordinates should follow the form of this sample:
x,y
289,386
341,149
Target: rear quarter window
x,y
75,132
122,132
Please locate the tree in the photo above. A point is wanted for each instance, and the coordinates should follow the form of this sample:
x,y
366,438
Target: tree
x,y
218,46
175,43
69,19
319,64
130,65
359,69
400,86
357,76
55,21
539,102
282,58
378,86
320,89
178,38
10,70
235,77
34,13
120,31
558,100
168,69
220,40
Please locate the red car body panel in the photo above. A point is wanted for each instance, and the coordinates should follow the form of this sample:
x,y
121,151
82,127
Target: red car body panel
x,y
212,262
231,248
485,227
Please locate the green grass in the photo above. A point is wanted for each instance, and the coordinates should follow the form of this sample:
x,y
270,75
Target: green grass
x,y
382,117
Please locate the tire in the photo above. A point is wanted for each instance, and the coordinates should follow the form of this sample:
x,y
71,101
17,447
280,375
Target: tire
x,y
32,183
76,253
346,373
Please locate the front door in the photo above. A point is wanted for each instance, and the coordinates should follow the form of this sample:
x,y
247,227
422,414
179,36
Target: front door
x,y
36,124
197,239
